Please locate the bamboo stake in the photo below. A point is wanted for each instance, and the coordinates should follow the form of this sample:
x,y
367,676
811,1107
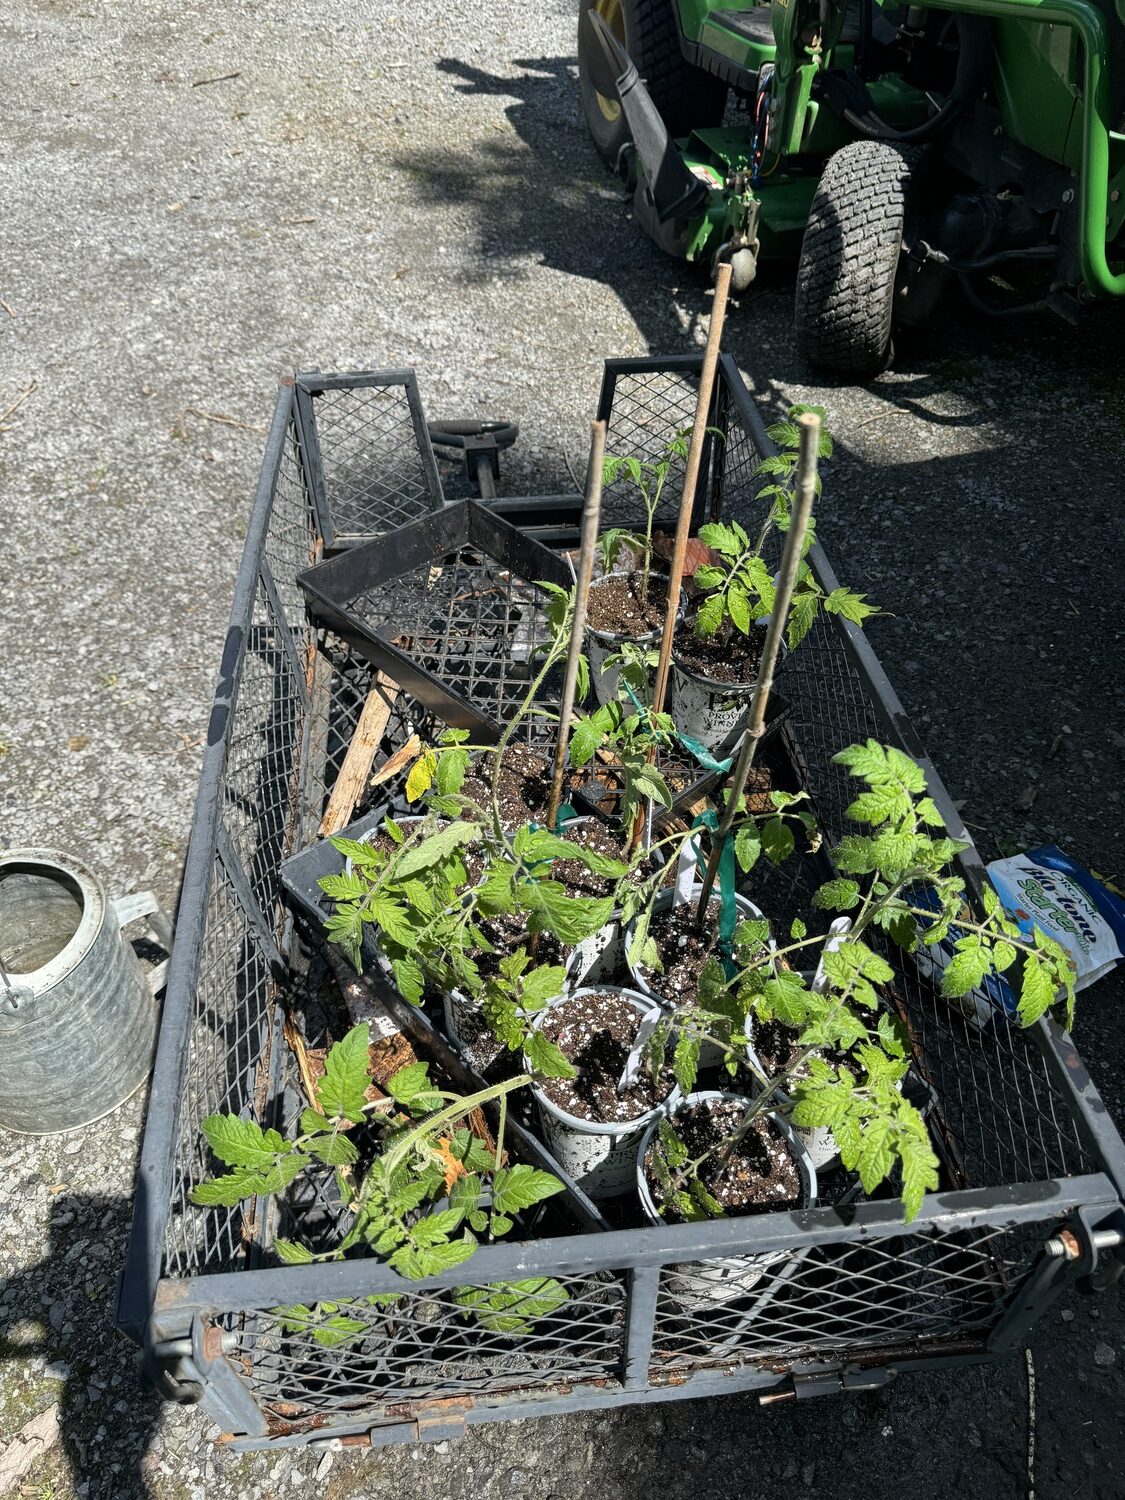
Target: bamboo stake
x,y
787,578
691,481
591,513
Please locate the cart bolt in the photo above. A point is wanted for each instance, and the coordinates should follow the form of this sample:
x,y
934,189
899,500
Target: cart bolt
x,y
1068,196
1113,197
998,130
1064,1246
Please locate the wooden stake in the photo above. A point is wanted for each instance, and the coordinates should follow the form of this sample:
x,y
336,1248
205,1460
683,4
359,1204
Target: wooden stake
x,y
691,481
591,513
361,752
787,578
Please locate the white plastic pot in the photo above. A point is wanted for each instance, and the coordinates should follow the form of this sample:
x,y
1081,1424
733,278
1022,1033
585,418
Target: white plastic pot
x,y
601,952
460,1012
817,1140
602,644
711,1054
598,1156
712,712
595,955
707,1283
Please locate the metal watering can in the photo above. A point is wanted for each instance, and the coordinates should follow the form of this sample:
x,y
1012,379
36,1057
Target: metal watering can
x,y
78,1014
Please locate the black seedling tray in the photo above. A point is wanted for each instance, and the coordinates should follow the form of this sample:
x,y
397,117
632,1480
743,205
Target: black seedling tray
x,y
301,873
460,627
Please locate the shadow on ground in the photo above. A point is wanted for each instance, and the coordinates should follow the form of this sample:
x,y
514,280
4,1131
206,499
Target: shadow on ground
x,y
51,1309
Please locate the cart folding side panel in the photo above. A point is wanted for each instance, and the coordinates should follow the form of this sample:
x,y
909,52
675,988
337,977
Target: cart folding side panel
x,y
837,1297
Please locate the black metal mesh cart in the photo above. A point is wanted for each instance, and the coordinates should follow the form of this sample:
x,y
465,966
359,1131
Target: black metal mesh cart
x,y
1033,1170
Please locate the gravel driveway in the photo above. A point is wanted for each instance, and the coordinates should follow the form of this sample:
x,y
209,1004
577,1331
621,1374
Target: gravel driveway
x,y
380,186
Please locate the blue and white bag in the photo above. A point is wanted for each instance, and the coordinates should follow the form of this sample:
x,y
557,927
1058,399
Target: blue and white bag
x,y
1044,889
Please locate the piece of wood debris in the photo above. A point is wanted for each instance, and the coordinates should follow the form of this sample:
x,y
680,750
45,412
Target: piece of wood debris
x,y
198,83
361,752
398,761
387,1054
894,411
180,428
26,391
299,1048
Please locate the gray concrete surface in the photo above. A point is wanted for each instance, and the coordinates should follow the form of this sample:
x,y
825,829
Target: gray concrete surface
x,y
411,183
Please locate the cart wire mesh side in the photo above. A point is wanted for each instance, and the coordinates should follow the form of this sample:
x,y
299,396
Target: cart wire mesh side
x,y
1026,1147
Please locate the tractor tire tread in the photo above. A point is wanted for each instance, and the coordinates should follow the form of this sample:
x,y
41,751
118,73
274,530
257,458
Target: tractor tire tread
x,y
686,97
849,258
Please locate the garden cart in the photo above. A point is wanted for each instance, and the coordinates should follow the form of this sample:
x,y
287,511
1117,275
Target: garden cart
x,y
357,570
895,150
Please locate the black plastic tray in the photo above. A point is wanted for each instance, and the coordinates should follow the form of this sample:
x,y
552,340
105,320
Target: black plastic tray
x,y
460,628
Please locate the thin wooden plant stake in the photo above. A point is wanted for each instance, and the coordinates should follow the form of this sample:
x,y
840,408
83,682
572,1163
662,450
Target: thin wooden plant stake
x,y
691,480
787,578
591,513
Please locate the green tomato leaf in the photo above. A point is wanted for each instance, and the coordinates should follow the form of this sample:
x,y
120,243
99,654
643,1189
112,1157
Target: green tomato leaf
x,y
436,847
242,1143
837,895
341,1093
721,538
518,1187
777,840
738,607
710,616
409,1082
291,1253
546,1059
802,613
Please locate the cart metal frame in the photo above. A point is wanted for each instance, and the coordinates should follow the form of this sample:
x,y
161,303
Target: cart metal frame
x,y
1034,1168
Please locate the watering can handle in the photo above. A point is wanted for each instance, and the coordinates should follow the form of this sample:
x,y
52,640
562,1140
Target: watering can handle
x,y
145,904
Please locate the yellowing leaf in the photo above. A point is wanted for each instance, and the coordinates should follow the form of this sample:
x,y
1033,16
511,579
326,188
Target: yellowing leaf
x,y
421,776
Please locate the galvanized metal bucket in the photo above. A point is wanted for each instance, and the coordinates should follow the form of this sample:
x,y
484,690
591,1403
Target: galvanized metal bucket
x,y
78,1015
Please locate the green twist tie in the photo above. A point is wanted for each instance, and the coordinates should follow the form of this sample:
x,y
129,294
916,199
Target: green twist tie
x,y
566,811
728,911
644,712
703,755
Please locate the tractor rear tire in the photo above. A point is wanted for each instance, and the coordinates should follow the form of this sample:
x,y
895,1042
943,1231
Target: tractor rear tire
x,y
688,98
849,259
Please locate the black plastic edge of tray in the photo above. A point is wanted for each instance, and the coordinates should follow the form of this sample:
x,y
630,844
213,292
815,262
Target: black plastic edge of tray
x,y
331,587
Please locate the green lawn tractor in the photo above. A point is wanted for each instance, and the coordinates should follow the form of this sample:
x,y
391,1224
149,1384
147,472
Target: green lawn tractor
x,y
892,149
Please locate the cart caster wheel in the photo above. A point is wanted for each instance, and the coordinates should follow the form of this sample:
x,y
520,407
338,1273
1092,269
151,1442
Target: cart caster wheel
x,y
743,269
